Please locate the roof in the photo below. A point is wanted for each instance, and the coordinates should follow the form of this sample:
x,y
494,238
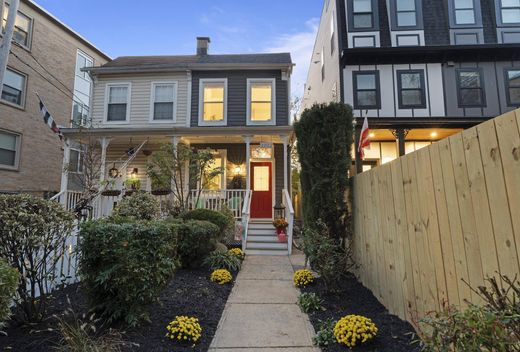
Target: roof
x,y
192,62
71,31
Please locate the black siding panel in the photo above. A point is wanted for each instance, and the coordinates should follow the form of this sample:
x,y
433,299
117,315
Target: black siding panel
x,y
384,29
489,21
278,155
342,23
436,22
237,95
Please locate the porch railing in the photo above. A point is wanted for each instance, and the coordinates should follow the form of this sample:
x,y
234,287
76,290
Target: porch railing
x,y
217,199
246,214
289,210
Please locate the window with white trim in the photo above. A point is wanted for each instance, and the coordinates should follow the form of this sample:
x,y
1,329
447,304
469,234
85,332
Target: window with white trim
x,y
82,85
163,101
261,101
9,150
513,87
75,161
117,102
13,90
510,11
22,27
213,101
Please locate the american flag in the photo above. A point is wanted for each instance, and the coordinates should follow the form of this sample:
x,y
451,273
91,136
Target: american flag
x,y
49,120
364,141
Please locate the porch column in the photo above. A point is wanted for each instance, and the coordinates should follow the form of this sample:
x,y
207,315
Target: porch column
x,y
104,145
401,135
285,140
248,139
65,170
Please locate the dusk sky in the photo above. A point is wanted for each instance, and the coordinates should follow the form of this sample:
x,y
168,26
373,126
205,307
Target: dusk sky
x,y
169,27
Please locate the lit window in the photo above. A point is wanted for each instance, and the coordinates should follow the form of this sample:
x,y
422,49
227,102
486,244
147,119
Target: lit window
x,y
259,152
261,101
163,101
13,90
213,101
362,14
215,168
464,12
22,27
471,91
75,161
406,13
513,87
9,149
117,102
411,89
366,90
510,11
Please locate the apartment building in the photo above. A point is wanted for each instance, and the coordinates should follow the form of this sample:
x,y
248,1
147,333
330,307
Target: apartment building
x,y
46,58
419,70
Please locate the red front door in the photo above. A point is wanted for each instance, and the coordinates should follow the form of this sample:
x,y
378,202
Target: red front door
x,y
261,185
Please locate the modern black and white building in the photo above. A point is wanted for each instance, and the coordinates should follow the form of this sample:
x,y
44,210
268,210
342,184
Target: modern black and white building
x,y
420,70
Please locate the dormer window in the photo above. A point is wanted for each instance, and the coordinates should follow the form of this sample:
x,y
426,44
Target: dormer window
x,y
261,101
213,102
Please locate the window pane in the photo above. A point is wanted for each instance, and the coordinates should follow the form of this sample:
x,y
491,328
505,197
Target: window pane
x,y
360,42
411,97
22,27
463,4
470,97
514,96
20,37
74,161
7,157
13,79
7,141
118,95
514,77
405,5
510,3
511,15
410,80
163,111
363,21
469,79
79,114
362,6
464,16
213,111
261,178
14,84
23,22
407,40
366,81
116,112
213,92
406,19
214,183
261,92
366,98
261,111
164,93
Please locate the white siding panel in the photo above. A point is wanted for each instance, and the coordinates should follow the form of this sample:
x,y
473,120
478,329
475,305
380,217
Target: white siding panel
x,y
436,90
387,95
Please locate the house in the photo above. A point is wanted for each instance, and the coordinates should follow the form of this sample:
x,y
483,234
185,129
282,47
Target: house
x,y
30,153
419,70
235,105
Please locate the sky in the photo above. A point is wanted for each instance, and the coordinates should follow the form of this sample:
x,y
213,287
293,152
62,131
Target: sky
x,y
169,27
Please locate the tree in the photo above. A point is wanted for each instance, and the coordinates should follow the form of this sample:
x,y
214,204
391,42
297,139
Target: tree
x,y
324,135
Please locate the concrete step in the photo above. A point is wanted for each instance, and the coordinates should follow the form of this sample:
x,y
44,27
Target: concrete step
x,y
261,225
261,232
266,245
258,238
266,252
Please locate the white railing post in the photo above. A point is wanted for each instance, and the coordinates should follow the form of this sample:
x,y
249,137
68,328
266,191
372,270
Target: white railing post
x,y
65,172
289,211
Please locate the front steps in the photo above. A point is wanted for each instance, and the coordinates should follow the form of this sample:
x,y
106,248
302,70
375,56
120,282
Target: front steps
x,y
262,240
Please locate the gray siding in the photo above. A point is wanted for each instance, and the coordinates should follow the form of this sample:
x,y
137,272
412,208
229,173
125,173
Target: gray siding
x,y
237,95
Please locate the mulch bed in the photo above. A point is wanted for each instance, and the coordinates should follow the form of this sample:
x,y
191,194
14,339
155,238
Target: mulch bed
x,y
394,335
189,293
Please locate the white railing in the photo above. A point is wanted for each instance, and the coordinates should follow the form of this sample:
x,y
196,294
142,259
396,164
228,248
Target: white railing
x,y
246,214
289,214
69,199
216,199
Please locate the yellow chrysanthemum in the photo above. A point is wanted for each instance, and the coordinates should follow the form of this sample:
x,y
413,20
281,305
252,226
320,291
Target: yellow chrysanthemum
x,y
237,252
353,329
303,278
184,329
221,276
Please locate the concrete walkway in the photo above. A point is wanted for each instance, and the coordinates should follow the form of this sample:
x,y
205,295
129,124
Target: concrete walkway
x,y
261,313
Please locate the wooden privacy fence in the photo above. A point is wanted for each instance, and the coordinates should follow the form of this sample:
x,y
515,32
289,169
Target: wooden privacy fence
x,y
447,214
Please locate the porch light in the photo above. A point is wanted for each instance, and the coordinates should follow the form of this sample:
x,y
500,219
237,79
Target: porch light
x,y
238,170
134,173
279,211
433,134
371,135
113,172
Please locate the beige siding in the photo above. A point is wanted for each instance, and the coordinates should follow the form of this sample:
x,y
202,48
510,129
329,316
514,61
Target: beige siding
x,y
140,99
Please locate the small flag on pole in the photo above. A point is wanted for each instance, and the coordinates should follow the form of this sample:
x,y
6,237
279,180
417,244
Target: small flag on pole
x,y
364,141
49,120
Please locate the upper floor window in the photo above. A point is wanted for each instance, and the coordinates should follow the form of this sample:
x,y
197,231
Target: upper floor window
x,y
82,85
22,27
470,88
163,101
362,14
465,13
411,89
510,11
261,101
213,102
9,150
406,13
13,90
366,90
118,104
513,87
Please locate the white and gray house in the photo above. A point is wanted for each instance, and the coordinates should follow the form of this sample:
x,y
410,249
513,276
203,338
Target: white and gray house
x,y
235,105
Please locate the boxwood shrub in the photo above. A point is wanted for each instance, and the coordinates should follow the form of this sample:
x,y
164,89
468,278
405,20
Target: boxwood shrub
x,y
197,239
221,219
124,266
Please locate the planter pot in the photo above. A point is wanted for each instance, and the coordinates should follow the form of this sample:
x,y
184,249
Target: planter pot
x,y
282,237
161,192
111,193
279,230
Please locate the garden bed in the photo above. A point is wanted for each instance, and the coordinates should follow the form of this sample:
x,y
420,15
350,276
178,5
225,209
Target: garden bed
x,y
190,292
394,335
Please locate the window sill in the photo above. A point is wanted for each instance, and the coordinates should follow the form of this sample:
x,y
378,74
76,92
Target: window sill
x,y
13,105
261,123
212,124
9,168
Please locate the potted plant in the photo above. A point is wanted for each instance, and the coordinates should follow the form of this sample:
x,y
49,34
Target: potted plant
x,y
160,187
281,229
132,185
108,190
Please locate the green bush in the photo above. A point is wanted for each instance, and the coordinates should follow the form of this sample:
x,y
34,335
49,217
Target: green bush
x,y
8,284
218,260
221,219
310,302
197,239
139,206
31,229
124,266
325,335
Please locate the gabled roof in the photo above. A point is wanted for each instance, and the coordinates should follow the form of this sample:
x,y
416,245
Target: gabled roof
x,y
193,62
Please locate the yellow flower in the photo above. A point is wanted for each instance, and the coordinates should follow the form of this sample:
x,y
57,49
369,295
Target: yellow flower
x,y
237,252
221,276
303,278
184,329
351,329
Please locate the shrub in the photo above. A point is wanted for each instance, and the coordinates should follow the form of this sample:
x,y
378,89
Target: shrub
x,y
221,276
33,232
325,335
8,283
218,260
197,239
310,302
354,329
215,217
237,252
139,206
303,278
184,329
124,266
324,135
220,248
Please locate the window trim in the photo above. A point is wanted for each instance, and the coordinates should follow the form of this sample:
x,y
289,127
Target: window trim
x,y
507,86
398,36
482,88
29,34
375,17
128,100
202,81
355,90
271,122
422,105
18,151
498,13
418,17
476,9
152,101
24,92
